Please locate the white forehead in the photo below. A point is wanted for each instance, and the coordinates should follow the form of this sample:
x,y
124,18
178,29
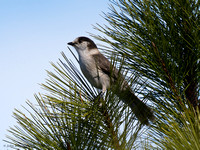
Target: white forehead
x,y
76,40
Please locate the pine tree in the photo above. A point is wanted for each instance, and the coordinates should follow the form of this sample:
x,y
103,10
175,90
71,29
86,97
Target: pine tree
x,y
160,42
156,46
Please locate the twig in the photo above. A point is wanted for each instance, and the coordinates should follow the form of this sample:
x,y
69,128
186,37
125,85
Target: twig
x,y
68,146
172,85
109,124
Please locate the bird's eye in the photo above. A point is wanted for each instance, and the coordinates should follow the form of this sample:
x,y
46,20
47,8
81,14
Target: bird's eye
x,y
80,41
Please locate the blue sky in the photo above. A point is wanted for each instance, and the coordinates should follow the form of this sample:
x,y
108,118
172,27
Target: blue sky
x,y
33,33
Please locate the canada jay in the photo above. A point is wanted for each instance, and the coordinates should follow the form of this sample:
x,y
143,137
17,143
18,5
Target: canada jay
x,y
100,73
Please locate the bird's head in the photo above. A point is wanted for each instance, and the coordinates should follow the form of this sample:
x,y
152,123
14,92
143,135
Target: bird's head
x,y
83,43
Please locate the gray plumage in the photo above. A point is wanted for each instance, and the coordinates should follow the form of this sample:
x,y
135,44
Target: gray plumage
x,y
100,73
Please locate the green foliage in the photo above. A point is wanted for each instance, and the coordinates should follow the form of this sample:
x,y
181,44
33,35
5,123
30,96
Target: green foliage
x,y
73,116
159,44
184,134
160,41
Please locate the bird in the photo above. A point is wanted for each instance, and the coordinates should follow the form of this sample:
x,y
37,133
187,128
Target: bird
x,y
101,74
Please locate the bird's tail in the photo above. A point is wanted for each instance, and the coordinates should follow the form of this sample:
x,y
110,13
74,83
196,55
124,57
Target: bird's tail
x,y
143,112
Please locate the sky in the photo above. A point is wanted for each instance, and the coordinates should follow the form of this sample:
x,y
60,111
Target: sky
x,y
32,34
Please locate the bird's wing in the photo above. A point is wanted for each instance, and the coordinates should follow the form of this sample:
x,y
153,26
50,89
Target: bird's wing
x,y
104,64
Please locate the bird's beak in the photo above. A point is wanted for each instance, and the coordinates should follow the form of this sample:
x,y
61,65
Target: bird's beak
x,y
71,43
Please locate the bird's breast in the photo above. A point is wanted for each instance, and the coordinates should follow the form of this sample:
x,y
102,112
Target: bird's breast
x,y
91,71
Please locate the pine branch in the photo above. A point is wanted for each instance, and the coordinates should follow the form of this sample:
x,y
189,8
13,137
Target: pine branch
x,y
168,76
108,122
68,146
